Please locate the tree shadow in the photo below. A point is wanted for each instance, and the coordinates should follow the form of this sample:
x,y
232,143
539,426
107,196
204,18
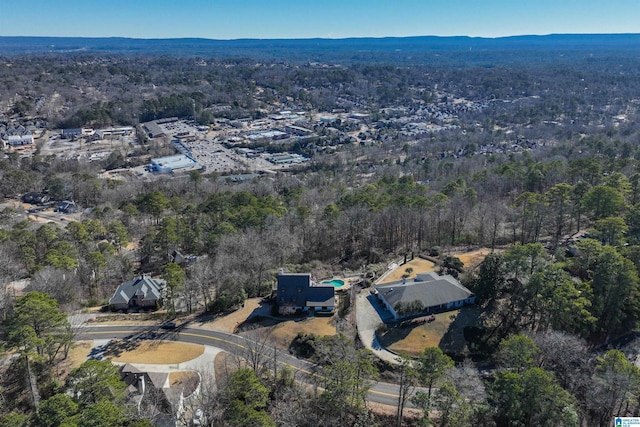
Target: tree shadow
x,y
453,342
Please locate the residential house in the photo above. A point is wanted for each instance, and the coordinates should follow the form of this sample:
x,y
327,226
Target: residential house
x,y
35,198
151,393
427,293
297,292
67,207
141,292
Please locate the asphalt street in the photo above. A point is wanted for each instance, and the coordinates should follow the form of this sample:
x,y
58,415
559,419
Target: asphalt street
x,y
379,392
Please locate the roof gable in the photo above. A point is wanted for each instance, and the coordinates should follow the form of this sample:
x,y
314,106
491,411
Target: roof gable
x,y
297,290
145,287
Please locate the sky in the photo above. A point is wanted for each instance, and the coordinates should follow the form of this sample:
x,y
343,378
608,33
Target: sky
x,y
269,19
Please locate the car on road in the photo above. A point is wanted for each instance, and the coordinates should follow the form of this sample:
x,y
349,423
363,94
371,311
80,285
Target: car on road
x,y
168,325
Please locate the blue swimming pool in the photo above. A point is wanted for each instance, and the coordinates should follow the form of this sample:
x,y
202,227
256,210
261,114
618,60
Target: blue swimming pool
x,y
335,282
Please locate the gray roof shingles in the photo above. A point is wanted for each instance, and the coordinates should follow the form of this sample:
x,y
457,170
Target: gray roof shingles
x,y
150,289
432,290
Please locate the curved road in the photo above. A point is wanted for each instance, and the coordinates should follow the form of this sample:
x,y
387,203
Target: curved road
x,y
379,392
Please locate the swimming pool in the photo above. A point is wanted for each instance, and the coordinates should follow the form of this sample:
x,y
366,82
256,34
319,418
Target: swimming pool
x,y
335,282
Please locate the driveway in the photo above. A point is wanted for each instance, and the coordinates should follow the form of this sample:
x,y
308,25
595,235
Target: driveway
x,y
369,315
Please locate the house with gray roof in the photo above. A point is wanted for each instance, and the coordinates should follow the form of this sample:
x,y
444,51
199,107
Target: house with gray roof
x,y
297,292
141,292
427,293
152,391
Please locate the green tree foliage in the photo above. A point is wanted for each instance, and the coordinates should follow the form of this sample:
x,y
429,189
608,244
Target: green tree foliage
x,y
518,353
14,419
103,413
611,230
614,285
604,201
432,365
38,327
554,300
248,400
57,411
532,398
491,281
175,277
95,381
154,204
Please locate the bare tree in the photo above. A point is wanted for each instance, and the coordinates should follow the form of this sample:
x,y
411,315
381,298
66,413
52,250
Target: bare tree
x,y
406,384
260,352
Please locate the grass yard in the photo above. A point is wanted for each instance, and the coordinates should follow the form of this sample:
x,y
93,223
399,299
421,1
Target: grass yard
x,y
445,332
418,265
230,322
157,352
412,340
284,332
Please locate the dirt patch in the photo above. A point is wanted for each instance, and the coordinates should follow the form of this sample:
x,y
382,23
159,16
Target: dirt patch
x,y
76,357
156,352
387,414
417,265
284,332
473,259
188,380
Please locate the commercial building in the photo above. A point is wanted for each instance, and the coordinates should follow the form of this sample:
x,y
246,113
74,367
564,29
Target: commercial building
x,y
172,164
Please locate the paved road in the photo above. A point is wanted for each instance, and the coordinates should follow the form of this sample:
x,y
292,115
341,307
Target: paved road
x,y
380,392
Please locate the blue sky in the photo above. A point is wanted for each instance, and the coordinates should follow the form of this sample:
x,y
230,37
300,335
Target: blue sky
x,y
231,19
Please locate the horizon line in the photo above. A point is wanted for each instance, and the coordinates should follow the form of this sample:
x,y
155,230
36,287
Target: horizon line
x,y
321,38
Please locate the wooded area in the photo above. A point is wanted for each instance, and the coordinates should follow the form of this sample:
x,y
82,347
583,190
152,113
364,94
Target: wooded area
x,y
539,161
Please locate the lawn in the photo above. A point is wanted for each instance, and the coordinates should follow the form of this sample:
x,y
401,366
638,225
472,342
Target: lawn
x,y
445,332
230,322
157,352
284,332
418,265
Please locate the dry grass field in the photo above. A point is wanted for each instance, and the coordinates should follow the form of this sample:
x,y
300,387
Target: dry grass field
x,y
412,340
418,265
158,352
230,322
472,259
445,332
283,333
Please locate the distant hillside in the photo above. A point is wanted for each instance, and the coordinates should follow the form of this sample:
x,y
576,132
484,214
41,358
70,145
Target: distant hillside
x,y
394,49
